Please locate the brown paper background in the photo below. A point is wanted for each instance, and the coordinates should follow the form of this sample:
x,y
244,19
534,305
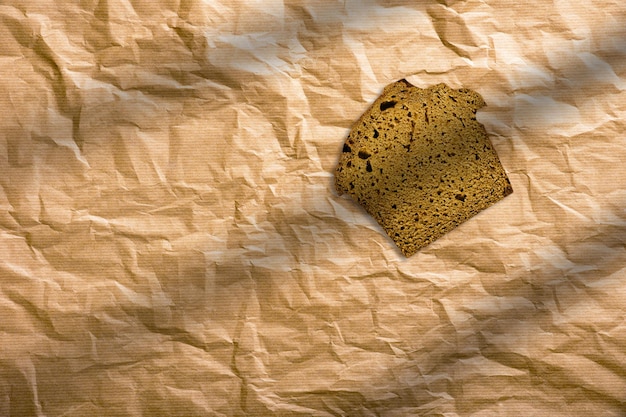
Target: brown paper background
x,y
171,243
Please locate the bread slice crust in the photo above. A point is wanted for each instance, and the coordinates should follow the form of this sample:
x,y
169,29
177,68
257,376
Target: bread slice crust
x,y
420,163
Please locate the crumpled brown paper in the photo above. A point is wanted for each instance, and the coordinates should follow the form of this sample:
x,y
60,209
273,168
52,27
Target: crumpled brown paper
x,y
172,244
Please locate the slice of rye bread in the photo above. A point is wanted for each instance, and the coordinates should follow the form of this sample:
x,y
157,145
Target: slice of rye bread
x,y
420,163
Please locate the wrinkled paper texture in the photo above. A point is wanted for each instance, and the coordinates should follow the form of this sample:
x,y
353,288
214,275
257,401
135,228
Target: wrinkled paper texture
x,y
172,244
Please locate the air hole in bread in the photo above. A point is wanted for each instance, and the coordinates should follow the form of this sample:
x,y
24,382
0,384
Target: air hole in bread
x,y
364,154
387,105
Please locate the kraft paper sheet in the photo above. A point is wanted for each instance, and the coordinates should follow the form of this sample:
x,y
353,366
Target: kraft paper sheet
x,y
171,243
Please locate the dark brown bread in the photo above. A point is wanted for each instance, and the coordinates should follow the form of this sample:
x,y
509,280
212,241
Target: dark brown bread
x,y
420,163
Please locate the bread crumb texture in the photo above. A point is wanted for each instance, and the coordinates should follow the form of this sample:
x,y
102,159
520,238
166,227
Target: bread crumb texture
x,y
420,163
